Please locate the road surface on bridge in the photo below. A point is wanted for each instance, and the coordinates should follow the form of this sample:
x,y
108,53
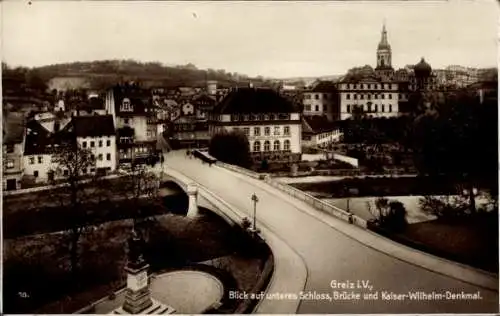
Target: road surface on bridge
x,y
331,255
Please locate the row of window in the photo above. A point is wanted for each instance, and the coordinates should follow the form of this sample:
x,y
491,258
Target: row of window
x,y
378,86
368,108
53,158
259,117
368,96
267,131
136,149
308,96
329,134
267,146
92,143
307,108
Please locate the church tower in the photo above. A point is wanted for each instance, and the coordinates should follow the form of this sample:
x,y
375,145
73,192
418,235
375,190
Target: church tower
x,y
384,56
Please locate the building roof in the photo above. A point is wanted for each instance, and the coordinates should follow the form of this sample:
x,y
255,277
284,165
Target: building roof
x,y
254,100
40,141
317,125
139,99
323,86
13,127
422,69
93,126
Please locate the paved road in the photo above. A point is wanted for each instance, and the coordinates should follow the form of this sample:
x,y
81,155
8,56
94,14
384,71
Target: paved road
x,y
331,255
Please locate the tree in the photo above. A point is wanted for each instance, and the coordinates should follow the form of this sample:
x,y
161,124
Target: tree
x,y
458,141
389,214
231,148
72,162
140,192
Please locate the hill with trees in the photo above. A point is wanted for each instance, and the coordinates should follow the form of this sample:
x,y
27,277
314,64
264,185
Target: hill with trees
x,y
102,74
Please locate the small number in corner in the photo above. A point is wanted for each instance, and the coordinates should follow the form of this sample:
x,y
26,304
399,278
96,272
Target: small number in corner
x,y
23,294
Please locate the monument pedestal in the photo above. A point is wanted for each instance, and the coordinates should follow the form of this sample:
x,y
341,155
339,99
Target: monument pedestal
x,y
137,296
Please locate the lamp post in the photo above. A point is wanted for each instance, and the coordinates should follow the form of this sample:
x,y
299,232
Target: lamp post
x,y
255,200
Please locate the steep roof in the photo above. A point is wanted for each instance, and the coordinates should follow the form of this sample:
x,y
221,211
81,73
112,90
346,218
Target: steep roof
x,y
139,99
94,126
317,125
40,141
13,127
254,100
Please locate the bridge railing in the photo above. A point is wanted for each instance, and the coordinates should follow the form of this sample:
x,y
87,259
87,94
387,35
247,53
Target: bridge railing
x,y
301,195
317,203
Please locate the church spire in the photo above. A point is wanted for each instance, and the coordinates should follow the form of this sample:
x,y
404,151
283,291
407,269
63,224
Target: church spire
x,y
383,41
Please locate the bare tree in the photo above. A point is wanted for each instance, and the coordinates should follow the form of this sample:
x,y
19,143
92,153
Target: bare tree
x,y
140,191
72,162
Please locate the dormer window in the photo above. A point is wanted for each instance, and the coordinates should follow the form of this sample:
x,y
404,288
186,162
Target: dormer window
x,y
126,106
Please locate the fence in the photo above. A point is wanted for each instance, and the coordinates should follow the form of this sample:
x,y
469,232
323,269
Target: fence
x,y
309,199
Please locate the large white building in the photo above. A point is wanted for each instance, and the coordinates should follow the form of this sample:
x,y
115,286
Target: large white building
x,y
321,100
97,134
271,123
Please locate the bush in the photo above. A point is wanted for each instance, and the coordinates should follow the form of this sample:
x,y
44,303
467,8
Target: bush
x,y
231,148
390,215
443,206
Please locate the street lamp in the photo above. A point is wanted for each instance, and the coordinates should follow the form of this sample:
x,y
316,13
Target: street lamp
x,y
255,200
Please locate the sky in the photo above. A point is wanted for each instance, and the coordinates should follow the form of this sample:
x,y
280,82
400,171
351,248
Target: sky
x,y
278,40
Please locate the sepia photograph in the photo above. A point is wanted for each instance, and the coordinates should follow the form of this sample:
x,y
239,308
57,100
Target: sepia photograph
x,y
240,157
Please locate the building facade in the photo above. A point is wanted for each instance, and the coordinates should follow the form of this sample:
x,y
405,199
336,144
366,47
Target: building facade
x,y
13,150
321,100
271,123
97,134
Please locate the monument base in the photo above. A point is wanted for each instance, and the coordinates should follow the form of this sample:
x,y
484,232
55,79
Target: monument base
x,y
156,308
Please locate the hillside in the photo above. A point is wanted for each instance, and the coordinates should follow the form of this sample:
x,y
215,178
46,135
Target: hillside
x,y
102,74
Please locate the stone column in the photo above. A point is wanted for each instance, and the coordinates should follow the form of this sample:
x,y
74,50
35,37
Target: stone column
x,y
192,191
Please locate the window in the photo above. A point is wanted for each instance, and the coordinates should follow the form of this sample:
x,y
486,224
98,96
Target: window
x,y
369,86
348,97
375,96
308,97
84,144
35,173
267,131
355,97
376,107
66,172
276,130
383,108
245,117
126,120
369,97
383,96
256,131
100,143
286,130
348,108
276,146
390,107
40,159
317,108
286,145
267,146
272,117
100,157
108,143
316,96
369,107
246,130
10,164
390,96
92,144
10,149
92,157
32,160
256,146
361,97
307,108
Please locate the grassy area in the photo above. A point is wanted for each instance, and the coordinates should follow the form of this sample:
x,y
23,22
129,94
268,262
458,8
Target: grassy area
x,y
38,265
472,240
